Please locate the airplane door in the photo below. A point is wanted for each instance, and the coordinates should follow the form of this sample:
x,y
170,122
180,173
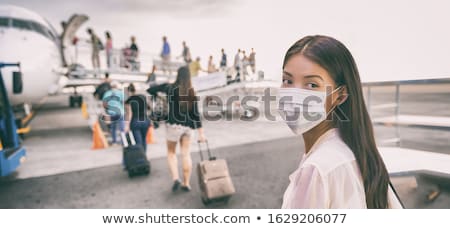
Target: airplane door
x,y
70,29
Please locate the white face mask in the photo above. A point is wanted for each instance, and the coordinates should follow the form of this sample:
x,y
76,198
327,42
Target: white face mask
x,y
302,109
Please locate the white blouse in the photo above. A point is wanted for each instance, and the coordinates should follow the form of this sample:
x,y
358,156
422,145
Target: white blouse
x,y
329,177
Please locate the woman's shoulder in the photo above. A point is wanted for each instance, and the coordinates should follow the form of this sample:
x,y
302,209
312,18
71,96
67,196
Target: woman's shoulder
x,y
332,154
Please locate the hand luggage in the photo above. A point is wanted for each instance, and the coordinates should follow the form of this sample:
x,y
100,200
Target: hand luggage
x,y
214,179
134,157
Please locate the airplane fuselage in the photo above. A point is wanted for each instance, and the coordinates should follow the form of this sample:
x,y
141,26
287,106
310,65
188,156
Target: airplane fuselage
x,y
27,38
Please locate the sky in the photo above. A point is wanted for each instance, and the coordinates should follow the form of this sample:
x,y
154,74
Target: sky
x,y
390,40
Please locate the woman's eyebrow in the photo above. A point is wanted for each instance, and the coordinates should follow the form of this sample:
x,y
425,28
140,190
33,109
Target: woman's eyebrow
x,y
313,76
287,74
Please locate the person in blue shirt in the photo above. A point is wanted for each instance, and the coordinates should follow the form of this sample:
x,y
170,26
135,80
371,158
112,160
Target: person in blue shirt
x,y
113,102
165,55
166,48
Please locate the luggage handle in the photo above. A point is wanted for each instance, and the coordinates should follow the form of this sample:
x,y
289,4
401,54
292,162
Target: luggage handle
x,y
211,158
125,139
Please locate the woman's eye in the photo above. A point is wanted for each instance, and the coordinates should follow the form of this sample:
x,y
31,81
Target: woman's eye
x,y
286,81
311,85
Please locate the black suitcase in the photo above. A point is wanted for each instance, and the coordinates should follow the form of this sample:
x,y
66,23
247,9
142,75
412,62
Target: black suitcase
x,y
134,157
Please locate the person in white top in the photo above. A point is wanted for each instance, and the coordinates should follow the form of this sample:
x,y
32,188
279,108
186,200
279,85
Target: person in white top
x,y
321,100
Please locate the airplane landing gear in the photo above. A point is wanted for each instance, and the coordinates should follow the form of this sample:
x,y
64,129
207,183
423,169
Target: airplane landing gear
x,y
75,100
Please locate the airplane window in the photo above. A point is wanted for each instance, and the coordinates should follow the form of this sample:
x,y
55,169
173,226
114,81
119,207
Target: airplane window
x,y
21,24
4,22
27,25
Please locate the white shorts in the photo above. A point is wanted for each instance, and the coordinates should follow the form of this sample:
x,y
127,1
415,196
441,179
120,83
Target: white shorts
x,y
174,132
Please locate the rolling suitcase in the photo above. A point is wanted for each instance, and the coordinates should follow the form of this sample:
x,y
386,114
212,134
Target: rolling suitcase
x,y
214,179
134,157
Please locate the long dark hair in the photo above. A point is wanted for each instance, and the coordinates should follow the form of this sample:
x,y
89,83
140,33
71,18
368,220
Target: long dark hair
x,y
357,131
183,85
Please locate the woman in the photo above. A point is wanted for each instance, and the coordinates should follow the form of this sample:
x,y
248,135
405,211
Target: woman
x,y
211,66
322,100
183,117
109,49
136,113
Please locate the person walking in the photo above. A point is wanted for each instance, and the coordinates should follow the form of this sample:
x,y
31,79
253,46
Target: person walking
x,y
223,60
137,121
151,77
113,104
182,119
195,67
238,65
96,46
186,54
211,66
165,55
109,49
252,60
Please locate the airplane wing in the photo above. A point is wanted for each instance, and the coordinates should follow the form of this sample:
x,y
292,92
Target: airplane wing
x,y
84,77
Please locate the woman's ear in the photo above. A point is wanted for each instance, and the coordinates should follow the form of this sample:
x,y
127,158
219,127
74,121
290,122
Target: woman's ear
x,y
343,95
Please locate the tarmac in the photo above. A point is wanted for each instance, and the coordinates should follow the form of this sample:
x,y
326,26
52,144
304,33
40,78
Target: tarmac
x,y
61,170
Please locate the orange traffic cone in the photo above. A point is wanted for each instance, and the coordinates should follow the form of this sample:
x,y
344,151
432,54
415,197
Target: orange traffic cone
x,y
98,138
84,111
150,138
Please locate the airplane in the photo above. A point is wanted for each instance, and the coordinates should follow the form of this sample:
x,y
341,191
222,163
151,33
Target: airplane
x,y
30,39
45,59
47,63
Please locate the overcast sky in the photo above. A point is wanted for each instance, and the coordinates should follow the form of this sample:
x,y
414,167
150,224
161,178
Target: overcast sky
x,y
389,39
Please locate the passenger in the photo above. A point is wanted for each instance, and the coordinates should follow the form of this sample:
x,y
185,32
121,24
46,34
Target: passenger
x,y
109,49
165,55
341,167
238,65
133,47
223,60
252,61
195,67
132,57
136,116
151,78
211,66
102,88
113,104
182,119
186,54
96,46
245,64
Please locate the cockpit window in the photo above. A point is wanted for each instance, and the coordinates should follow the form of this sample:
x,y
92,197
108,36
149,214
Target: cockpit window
x,y
4,22
28,25
21,24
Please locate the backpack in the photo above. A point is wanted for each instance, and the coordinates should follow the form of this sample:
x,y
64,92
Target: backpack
x,y
101,90
160,108
100,44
